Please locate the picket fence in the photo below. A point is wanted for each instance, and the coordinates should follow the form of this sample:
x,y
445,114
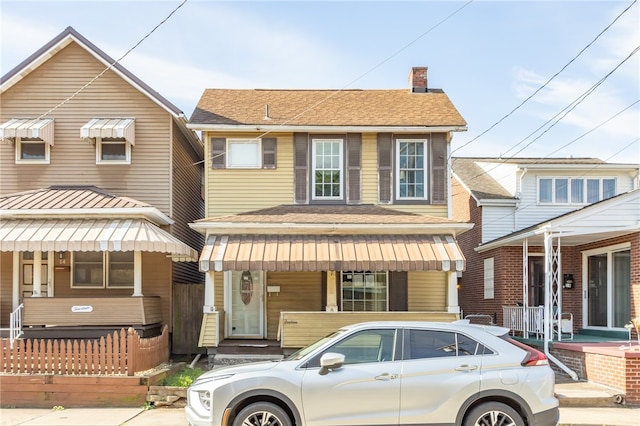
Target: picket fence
x,y
122,353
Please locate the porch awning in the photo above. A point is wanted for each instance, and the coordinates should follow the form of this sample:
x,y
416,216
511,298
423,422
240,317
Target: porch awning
x,y
32,128
331,253
119,128
91,235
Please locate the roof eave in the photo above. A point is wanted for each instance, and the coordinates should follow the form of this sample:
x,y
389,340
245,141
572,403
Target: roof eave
x,y
312,128
152,214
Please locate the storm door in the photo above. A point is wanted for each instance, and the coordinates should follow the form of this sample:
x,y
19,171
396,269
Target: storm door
x,y
608,288
27,274
245,304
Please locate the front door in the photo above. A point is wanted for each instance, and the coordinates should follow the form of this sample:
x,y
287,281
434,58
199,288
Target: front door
x,y
27,275
245,303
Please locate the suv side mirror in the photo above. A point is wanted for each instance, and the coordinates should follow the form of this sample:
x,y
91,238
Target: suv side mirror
x,y
330,361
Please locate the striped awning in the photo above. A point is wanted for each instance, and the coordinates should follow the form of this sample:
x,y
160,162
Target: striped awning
x,y
28,128
91,235
118,128
331,253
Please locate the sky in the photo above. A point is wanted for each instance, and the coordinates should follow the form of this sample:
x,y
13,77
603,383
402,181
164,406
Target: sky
x,y
531,78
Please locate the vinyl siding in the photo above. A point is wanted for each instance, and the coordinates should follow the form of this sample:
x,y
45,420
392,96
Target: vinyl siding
x,y
497,222
73,160
428,291
6,287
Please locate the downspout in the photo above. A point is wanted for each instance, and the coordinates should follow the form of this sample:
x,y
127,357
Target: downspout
x,y
547,307
518,197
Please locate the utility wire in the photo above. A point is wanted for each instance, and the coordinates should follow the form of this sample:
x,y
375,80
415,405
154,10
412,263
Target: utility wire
x,y
547,82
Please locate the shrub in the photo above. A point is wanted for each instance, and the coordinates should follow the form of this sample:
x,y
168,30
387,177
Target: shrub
x,y
184,377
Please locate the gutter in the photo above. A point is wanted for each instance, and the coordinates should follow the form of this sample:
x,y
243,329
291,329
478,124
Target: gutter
x,y
151,214
311,129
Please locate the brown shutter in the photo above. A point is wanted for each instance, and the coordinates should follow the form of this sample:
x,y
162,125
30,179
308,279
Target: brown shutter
x,y
438,170
269,153
385,159
218,146
300,167
398,291
354,168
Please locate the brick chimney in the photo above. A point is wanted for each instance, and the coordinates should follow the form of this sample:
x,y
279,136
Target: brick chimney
x,y
418,79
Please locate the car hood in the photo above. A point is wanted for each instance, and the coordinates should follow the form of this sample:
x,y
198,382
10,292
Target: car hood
x,y
241,368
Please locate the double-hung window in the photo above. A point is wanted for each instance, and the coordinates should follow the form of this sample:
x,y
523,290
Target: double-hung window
x,y
94,269
565,190
328,169
411,166
365,291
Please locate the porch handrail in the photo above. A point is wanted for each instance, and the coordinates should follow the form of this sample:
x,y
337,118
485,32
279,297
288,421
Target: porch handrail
x,y
15,324
527,320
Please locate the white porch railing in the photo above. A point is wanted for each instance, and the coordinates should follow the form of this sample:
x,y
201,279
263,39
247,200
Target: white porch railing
x,y
15,324
527,321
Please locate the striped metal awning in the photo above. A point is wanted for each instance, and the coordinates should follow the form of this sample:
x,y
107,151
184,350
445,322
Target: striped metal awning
x,y
110,128
28,128
91,235
331,253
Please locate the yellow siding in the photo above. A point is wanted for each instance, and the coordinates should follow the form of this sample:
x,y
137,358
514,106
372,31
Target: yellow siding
x,y
6,287
427,291
370,168
211,327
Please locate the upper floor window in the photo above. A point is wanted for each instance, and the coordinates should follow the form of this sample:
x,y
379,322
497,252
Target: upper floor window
x,y
95,269
30,150
575,190
113,151
32,137
411,166
244,153
113,138
364,291
328,174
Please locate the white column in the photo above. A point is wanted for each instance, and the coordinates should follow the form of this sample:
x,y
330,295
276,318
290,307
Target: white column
x,y
332,296
209,293
16,280
37,274
137,273
50,274
452,292
525,286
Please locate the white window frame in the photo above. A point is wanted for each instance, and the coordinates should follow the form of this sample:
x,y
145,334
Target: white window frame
x,y
22,141
489,278
425,168
105,273
364,277
246,141
570,180
119,141
314,144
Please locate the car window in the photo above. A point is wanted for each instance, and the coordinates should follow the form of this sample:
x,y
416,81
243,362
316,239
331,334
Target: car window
x,y
363,346
420,344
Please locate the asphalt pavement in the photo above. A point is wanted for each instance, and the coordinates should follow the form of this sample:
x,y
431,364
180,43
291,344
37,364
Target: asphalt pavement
x,y
166,416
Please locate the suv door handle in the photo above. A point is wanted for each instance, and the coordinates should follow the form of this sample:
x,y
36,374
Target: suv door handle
x,y
386,377
466,367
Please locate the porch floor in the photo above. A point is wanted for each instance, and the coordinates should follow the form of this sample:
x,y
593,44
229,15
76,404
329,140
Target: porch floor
x,y
249,347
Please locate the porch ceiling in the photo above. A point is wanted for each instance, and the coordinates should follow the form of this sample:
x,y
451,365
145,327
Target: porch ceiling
x,y
91,235
331,253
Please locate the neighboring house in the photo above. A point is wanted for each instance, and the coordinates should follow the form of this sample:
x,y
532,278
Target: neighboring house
x,y
325,208
99,178
570,225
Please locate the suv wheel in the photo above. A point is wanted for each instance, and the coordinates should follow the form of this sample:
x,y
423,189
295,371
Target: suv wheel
x,y
493,414
262,414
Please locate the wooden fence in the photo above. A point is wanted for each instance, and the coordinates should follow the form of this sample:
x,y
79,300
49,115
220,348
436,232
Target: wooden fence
x,y
122,353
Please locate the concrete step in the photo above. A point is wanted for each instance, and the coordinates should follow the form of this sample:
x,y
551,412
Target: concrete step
x,y
586,394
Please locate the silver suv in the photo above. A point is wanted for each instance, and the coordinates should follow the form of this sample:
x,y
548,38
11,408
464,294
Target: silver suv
x,y
386,373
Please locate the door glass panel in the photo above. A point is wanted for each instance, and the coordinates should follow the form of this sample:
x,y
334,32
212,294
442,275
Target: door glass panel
x,y
246,303
597,291
536,281
621,288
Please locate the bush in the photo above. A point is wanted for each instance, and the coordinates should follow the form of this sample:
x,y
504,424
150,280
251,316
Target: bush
x,y
184,377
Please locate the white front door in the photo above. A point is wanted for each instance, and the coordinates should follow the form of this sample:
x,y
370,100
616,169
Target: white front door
x,y
245,304
27,274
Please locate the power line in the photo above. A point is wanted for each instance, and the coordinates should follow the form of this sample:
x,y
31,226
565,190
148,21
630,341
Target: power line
x,y
547,82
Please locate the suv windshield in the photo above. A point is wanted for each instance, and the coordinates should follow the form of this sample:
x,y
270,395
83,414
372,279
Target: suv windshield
x,y
306,350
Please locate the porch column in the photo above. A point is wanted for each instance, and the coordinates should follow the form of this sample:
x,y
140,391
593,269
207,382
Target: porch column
x,y
16,280
452,292
37,274
332,297
137,273
525,286
209,293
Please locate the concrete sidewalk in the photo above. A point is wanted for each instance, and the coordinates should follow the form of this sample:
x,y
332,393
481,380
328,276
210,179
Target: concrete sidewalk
x,y
175,417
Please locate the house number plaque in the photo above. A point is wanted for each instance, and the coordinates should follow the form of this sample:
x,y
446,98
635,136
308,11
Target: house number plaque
x,y
82,308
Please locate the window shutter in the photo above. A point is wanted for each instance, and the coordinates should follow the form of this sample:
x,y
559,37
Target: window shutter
x,y
438,170
269,153
398,291
300,167
354,168
218,146
385,159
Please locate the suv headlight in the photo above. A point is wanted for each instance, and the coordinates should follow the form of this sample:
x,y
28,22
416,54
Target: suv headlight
x,y
200,394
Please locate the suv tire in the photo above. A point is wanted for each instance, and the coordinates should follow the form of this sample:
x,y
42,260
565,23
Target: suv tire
x,y
492,414
262,413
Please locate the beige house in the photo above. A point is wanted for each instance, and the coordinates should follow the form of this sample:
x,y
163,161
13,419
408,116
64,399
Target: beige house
x,y
325,208
99,178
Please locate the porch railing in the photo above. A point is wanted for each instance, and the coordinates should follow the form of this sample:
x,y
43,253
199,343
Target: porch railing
x,y
15,324
122,353
527,321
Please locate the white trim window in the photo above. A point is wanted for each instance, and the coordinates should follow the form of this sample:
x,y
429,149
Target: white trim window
x,y
32,151
567,190
113,151
89,269
244,153
327,169
365,291
489,282
411,166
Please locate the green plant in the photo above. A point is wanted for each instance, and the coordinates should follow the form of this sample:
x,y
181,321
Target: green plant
x,y
148,406
58,408
184,377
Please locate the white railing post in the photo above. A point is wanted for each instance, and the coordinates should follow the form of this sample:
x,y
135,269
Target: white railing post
x,y
15,324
